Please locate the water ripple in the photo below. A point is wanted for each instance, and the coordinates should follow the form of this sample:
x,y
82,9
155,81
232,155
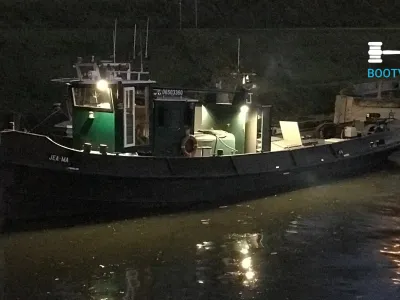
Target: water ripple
x,y
338,241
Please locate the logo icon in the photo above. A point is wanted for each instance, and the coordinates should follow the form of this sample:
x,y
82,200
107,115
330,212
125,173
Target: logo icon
x,y
375,52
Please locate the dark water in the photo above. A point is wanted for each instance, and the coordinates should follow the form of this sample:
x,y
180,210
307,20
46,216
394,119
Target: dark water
x,y
337,241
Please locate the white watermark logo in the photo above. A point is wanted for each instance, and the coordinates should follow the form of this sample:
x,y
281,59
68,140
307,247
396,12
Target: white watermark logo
x,y
375,52
375,57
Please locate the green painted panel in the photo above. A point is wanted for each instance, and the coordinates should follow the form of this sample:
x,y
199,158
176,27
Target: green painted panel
x,y
100,130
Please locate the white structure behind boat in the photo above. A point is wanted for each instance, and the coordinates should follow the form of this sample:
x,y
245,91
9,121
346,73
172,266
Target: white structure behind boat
x,y
352,108
375,97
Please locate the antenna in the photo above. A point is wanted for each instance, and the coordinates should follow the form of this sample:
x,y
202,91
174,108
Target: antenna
x,y
141,53
238,57
180,14
115,38
195,11
147,37
134,43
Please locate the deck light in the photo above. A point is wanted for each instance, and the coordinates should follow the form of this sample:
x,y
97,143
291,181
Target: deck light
x,y
244,109
102,85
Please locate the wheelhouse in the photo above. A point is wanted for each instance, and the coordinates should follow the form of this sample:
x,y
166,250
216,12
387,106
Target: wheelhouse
x,y
111,107
117,110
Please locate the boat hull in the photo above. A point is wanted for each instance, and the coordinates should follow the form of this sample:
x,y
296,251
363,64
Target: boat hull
x,y
36,192
34,189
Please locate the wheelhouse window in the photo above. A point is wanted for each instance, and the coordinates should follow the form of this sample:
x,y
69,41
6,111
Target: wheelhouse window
x,y
92,97
136,116
141,116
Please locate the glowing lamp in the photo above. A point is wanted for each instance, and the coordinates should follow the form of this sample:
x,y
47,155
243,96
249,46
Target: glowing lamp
x,y
102,85
244,109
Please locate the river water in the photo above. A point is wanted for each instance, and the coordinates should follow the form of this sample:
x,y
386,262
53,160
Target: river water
x,y
336,241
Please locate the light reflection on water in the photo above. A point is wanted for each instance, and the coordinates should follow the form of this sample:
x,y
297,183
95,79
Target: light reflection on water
x,y
237,252
393,252
328,242
389,233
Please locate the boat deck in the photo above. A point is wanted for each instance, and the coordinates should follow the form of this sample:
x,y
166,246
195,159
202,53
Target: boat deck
x,y
279,144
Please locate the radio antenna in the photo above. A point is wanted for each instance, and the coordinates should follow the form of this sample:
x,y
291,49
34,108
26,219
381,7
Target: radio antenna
x,y
147,37
134,43
115,38
180,14
195,12
141,53
238,57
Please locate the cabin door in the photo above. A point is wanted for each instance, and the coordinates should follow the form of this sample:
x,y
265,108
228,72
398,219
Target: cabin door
x,y
129,117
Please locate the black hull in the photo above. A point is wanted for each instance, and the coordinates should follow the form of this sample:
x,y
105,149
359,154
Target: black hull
x,y
39,193
34,185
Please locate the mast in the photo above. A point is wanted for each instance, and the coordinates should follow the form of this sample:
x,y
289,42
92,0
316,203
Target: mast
x,y
195,11
134,43
141,53
147,37
180,14
244,76
238,56
115,39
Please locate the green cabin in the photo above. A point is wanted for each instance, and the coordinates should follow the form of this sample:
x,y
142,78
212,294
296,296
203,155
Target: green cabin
x,y
112,106
118,110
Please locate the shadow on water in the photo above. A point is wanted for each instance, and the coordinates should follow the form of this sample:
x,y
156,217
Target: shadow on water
x,y
97,215
336,241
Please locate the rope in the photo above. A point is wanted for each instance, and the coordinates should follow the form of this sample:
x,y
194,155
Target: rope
x,y
45,119
222,142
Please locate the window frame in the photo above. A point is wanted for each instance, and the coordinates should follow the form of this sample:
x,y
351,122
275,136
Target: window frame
x,y
92,108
